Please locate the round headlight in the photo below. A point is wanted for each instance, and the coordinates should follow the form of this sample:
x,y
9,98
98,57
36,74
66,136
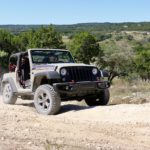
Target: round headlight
x,y
94,71
63,72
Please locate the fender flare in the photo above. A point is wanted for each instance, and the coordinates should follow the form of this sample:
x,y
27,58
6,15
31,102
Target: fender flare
x,y
48,75
12,84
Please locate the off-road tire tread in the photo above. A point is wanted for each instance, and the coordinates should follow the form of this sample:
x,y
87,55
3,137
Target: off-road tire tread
x,y
12,100
103,96
55,101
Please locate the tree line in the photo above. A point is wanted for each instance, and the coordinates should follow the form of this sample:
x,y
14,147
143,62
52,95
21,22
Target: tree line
x,y
85,47
95,28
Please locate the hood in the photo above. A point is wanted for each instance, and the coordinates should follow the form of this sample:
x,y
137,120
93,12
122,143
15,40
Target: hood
x,y
52,67
59,65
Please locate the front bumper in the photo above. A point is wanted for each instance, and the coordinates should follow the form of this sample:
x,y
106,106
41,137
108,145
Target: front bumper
x,y
80,89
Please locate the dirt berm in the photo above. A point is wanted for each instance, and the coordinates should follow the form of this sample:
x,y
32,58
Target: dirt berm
x,y
124,126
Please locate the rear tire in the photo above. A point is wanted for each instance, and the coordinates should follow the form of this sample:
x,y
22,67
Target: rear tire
x,y
46,100
8,95
101,99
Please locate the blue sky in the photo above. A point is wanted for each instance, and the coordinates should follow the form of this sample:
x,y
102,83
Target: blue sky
x,y
73,11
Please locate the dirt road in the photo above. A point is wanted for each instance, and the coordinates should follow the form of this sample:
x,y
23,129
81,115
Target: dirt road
x,y
76,127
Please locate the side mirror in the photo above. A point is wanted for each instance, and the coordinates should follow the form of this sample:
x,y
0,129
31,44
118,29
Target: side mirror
x,y
75,59
104,73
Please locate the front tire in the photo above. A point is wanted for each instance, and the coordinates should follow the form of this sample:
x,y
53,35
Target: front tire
x,y
46,100
101,99
8,96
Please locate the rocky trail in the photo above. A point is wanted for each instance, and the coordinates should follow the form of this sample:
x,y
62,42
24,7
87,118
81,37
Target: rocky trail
x,y
123,126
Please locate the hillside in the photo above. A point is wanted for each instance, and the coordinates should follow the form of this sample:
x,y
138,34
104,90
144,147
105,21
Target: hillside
x,y
123,47
91,27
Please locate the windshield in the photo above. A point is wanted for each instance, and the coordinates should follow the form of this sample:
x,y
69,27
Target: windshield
x,y
51,56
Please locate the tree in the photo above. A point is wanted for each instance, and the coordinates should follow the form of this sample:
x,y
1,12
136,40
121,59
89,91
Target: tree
x,y
142,61
117,59
3,58
45,37
23,40
84,47
6,45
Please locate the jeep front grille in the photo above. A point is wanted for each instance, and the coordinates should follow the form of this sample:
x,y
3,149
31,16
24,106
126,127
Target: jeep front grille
x,y
80,73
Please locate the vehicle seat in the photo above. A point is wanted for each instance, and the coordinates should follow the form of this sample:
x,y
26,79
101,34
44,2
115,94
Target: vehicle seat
x,y
46,60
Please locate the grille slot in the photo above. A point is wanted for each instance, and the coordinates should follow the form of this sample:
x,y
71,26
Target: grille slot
x,y
79,74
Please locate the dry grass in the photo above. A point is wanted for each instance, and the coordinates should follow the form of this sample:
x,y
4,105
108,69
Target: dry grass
x,y
123,92
65,39
136,92
59,144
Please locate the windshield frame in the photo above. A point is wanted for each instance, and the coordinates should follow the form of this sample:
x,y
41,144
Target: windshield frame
x,y
54,51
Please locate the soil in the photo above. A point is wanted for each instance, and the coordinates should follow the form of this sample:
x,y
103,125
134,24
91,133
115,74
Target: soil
x,y
122,126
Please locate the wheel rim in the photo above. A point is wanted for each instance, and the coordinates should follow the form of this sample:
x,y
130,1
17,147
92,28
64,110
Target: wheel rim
x,y
7,91
43,101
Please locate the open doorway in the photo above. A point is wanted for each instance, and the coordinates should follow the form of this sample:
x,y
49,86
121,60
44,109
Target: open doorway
x,y
24,71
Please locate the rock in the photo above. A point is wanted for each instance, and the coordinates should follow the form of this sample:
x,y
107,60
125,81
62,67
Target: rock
x,y
2,138
18,120
29,143
134,94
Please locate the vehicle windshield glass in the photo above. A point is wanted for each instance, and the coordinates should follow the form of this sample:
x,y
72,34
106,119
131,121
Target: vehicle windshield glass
x,y
51,56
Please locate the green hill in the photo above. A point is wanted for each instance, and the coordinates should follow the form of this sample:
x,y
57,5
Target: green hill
x,y
94,28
